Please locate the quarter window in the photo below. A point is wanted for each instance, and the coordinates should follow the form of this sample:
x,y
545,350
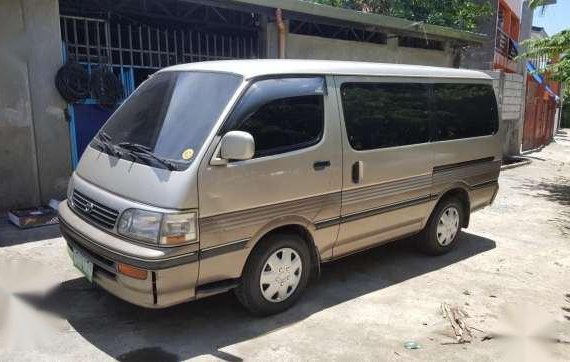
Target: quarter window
x,y
464,110
380,115
282,115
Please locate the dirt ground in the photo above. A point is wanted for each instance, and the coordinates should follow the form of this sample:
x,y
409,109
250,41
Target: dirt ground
x,y
510,273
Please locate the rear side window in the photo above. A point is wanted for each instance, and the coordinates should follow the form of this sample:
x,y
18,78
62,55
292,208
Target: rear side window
x,y
464,110
282,115
379,115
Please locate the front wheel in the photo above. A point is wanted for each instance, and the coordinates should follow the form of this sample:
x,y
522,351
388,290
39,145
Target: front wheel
x,y
275,275
441,232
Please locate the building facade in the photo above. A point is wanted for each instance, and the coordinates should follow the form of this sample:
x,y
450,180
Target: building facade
x,y
42,136
523,104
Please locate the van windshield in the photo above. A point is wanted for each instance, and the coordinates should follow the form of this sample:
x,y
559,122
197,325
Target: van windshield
x,y
166,120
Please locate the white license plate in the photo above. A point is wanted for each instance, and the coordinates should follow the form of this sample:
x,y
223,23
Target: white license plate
x,y
85,266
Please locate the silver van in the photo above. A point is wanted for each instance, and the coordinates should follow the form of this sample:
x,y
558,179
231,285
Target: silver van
x,y
247,175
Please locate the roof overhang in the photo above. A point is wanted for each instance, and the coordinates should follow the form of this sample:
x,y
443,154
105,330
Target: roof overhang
x,y
389,24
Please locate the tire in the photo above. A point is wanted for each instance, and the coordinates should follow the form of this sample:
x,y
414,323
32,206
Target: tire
x,y
434,241
255,294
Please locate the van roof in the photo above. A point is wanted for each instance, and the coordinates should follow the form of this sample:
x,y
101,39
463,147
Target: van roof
x,y
267,67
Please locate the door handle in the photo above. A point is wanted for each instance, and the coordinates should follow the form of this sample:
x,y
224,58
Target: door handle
x,y
357,172
321,165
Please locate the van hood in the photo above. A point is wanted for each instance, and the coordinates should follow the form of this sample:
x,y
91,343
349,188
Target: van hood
x,y
141,183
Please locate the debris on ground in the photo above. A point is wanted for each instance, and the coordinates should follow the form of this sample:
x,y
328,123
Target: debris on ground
x,y
456,317
412,345
33,217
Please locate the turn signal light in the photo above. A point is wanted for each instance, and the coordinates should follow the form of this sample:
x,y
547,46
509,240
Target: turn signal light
x,y
131,271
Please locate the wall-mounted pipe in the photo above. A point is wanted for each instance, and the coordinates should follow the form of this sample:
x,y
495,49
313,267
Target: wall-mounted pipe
x,y
281,30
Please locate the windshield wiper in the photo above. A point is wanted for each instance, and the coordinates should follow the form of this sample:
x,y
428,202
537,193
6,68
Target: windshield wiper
x,y
104,141
104,136
138,150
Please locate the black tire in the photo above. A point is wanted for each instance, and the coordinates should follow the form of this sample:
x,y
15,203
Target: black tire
x,y
249,291
428,241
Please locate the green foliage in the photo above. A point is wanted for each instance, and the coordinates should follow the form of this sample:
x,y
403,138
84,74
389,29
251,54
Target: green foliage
x,y
458,14
533,4
556,48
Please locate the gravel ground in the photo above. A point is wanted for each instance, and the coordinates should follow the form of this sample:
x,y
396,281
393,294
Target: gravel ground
x,y
510,274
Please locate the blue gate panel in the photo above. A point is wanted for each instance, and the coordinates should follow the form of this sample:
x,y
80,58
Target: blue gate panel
x,y
89,118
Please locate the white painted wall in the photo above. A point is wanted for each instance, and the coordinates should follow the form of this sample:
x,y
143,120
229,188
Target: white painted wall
x,y
511,96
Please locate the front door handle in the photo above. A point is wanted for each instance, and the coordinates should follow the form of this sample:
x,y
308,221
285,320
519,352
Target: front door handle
x,y
357,172
321,165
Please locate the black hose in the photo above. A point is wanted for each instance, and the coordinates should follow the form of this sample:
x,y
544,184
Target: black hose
x,y
106,88
72,82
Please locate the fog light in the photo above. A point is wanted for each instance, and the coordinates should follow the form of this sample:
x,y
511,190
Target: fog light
x,y
131,271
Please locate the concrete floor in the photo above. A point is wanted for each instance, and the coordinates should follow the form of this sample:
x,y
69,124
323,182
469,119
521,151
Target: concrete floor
x,y
510,273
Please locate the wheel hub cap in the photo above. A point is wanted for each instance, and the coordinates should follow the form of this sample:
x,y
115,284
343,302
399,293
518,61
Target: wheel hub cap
x,y
447,226
280,275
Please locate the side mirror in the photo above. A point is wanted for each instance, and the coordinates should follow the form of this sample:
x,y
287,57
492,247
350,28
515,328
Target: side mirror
x,y
237,145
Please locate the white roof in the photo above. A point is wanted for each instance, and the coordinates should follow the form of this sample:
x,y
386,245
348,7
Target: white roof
x,y
264,67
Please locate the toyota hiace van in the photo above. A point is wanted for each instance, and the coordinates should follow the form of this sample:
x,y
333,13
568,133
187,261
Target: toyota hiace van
x,y
248,174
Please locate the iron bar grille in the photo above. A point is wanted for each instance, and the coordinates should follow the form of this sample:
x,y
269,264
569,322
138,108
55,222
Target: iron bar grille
x,y
504,45
93,210
95,42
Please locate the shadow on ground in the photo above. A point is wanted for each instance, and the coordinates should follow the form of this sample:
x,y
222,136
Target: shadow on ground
x,y
557,190
534,158
11,235
203,327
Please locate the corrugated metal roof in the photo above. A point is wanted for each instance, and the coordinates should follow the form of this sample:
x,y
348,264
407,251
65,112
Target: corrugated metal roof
x,y
388,23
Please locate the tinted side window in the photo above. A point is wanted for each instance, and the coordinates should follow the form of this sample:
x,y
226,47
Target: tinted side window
x,y
464,110
282,115
286,124
379,115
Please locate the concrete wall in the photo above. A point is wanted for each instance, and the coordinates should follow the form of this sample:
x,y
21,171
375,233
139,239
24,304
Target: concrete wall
x,y
34,136
527,16
312,47
510,91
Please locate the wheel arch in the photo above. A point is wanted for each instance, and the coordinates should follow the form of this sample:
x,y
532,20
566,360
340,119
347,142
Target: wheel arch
x,y
459,191
295,225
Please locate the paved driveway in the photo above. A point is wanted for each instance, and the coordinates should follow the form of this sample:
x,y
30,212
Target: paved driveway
x,y
510,273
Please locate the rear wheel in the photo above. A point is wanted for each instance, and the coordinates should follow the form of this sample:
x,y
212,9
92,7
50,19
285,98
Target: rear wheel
x,y
441,232
275,275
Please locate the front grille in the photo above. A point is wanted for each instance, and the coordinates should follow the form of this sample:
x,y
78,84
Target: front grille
x,y
93,210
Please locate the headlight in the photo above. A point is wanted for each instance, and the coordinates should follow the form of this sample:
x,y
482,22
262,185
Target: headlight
x,y
140,224
178,229
155,227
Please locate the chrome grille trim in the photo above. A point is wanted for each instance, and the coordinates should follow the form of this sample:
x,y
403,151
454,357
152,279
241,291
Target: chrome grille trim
x,y
93,210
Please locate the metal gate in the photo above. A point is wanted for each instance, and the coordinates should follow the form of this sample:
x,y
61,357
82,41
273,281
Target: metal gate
x,y
134,50
539,116
99,42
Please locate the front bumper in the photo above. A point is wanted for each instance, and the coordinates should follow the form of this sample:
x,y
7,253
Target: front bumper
x,y
171,278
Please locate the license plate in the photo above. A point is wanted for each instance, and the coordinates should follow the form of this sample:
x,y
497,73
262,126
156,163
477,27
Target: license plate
x,y
83,264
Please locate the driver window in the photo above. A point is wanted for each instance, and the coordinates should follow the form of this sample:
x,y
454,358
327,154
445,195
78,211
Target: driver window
x,y
282,115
